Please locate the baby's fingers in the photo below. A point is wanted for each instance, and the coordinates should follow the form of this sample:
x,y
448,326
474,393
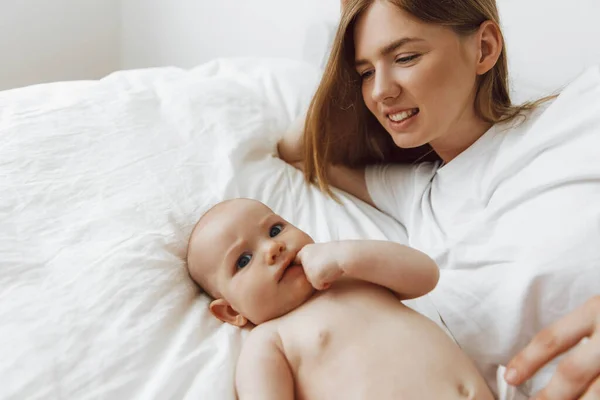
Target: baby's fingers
x,y
321,285
316,279
301,255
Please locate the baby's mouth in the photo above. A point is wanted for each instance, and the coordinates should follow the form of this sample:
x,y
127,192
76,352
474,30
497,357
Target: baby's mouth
x,y
286,267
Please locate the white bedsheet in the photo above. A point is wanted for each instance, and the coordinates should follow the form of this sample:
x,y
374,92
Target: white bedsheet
x,y
100,184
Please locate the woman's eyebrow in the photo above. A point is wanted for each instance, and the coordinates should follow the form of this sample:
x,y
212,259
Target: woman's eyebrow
x,y
390,48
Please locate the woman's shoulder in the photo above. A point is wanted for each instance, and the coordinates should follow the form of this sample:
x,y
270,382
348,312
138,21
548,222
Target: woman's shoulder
x,y
558,136
523,129
526,118
562,113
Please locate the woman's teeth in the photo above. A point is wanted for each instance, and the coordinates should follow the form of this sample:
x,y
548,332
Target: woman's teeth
x,y
401,116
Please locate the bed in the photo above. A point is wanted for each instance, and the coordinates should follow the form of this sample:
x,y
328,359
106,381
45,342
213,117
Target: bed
x,y
100,185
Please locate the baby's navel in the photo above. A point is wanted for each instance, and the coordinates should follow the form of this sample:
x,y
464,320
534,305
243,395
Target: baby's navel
x,y
466,392
323,338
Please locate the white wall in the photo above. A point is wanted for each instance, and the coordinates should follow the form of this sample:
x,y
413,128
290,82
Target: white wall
x,y
45,40
189,32
549,42
52,40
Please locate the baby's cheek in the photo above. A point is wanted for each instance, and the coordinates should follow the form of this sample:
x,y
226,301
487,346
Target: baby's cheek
x,y
261,301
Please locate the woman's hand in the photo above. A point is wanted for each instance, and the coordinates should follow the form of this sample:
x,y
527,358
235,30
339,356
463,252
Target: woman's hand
x,y
578,374
290,147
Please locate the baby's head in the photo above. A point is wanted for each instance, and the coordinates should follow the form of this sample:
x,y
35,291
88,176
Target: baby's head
x,y
242,254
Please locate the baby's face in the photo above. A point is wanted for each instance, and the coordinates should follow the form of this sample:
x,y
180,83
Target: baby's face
x,y
246,252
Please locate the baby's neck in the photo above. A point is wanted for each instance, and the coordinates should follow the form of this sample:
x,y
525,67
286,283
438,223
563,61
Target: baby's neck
x,y
291,312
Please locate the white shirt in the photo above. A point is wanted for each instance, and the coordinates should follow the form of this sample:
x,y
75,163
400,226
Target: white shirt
x,y
513,222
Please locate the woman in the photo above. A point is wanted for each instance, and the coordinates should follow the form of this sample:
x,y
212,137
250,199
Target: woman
x,y
410,81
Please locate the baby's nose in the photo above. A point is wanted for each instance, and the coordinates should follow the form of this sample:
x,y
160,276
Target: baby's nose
x,y
274,250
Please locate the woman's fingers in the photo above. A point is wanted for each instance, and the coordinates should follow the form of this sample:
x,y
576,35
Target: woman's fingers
x,y
553,341
593,392
575,373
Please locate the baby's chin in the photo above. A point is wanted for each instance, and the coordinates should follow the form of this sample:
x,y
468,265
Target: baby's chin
x,y
284,307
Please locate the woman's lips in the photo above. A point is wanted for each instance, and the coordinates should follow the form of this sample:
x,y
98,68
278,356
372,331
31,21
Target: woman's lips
x,y
401,121
401,115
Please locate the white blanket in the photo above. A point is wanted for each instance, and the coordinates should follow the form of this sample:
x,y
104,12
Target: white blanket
x,y
100,184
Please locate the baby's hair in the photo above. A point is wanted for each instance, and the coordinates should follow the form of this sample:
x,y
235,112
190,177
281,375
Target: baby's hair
x,y
203,286
188,261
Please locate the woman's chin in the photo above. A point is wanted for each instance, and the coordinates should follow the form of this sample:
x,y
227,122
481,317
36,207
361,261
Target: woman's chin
x,y
407,140
405,137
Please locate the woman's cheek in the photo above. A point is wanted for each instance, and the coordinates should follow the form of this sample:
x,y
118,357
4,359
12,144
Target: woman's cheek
x,y
368,98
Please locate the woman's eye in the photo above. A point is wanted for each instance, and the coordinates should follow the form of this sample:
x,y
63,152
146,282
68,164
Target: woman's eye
x,y
243,261
275,230
407,59
366,74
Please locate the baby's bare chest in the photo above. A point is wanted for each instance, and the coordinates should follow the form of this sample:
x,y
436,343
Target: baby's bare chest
x,y
340,327
334,343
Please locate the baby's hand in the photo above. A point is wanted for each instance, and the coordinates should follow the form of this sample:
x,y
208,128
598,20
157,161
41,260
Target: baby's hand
x,y
321,264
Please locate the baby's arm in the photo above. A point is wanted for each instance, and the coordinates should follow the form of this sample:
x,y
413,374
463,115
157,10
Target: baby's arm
x,y
263,372
407,271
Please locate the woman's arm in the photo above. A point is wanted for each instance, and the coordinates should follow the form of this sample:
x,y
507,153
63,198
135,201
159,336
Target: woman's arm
x,y
404,270
349,180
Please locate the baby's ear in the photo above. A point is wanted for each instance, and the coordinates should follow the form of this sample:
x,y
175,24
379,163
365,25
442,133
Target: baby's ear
x,y
221,309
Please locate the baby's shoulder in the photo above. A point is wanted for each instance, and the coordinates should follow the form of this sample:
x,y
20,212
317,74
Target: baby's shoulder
x,y
260,350
267,332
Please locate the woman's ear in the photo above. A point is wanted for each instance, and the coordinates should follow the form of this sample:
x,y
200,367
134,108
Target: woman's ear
x,y
490,46
221,309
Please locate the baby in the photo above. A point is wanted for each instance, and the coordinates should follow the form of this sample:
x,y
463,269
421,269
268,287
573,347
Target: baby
x,y
327,316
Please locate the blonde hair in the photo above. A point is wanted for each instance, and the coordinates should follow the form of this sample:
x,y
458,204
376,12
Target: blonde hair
x,y
339,129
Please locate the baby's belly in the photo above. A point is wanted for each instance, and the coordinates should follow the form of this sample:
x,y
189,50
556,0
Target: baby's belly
x,y
360,342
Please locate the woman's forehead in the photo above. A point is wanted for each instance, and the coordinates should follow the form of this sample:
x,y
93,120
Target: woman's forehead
x,y
383,23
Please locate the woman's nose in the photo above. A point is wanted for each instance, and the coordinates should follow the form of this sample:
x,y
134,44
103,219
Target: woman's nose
x,y
273,251
384,87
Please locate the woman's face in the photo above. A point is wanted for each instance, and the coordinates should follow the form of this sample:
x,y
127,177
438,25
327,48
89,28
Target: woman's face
x,y
418,79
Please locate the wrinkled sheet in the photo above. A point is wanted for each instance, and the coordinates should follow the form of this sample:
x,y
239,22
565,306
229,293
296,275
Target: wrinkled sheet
x,y
100,185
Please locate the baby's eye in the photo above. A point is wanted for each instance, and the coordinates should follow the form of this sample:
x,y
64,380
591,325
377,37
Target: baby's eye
x,y
275,230
243,261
